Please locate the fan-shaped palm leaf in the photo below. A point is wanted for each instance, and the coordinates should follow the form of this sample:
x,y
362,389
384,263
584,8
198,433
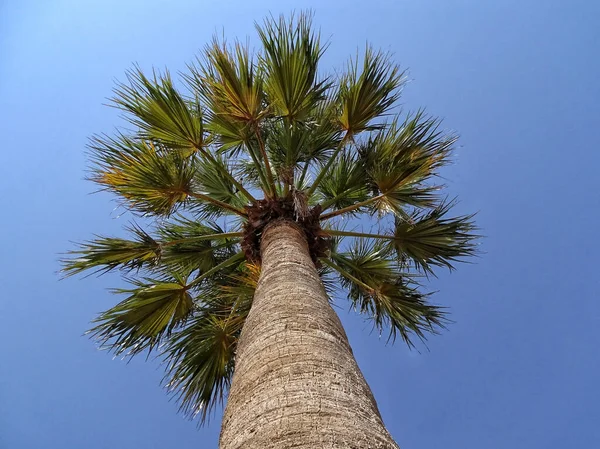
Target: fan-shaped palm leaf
x,y
152,309
369,94
432,239
345,185
110,253
159,110
377,287
201,356
150,181
292,53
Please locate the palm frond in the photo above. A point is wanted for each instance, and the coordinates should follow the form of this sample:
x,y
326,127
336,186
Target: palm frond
x,y
366,96
232,88
229,134
345,184
189,245
432,239
322,132
238,285
201,357
363,98
400,162
290,62
309,142
150,180
210,180
378,288
109,253
151,311
231,259
248,170
182,245
160,111
201,362
154,308
400,159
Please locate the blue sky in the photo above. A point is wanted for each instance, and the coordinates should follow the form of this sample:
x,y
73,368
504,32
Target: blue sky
x,y
517,79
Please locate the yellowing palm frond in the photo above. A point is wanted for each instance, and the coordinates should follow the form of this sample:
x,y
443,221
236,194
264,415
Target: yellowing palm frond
x,y
231,85
150,180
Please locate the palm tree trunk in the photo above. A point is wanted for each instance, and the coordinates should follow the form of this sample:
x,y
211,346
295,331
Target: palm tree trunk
x,y
296,382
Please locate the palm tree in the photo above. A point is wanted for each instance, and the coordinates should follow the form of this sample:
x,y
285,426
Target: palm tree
x,y
263,189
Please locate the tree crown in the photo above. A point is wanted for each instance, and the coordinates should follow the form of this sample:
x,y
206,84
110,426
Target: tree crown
x,y
246,139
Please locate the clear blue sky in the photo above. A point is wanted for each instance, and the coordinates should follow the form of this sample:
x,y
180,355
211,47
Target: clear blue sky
x,y
517,79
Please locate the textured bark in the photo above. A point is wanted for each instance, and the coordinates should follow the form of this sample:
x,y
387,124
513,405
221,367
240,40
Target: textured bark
x,y
296,382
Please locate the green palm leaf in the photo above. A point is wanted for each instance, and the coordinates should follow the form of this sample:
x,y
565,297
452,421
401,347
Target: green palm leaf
x,y
231,85
211,181
159,110
369,94
201,361
202,356
300,144
182,245
234,92
432,239
292,53
378,288
361,98
401,161
190,245
345,185
402,158
232,89
152,310
107,254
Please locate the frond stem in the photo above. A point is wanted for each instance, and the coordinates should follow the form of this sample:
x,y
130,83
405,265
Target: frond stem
x,y
304,173
357,234
263,151
327,204
222,204
223,235
233,259
325,169
352,207
347,275
259,169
